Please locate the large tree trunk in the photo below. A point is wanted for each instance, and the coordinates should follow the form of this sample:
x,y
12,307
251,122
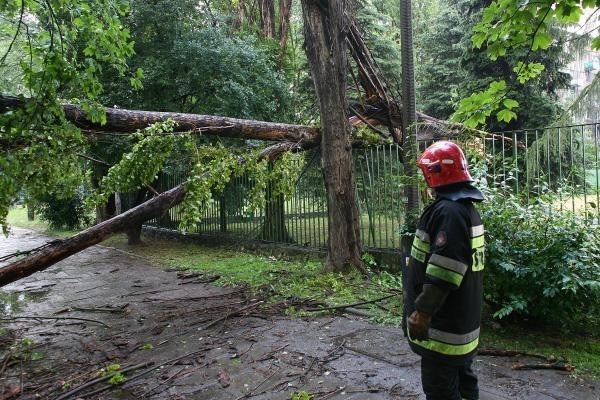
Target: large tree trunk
x,y
409,119
122,120
61,249
134,231
108,209
273,228
297,137
30,211
267,18
285,11
325,43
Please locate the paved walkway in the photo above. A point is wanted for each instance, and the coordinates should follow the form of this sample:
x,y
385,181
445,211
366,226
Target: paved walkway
x,y
207,342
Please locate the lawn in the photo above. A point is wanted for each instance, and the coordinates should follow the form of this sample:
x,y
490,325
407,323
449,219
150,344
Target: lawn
x,y
17,216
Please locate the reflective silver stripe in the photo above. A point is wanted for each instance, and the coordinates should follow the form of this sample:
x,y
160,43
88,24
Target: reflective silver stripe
x,y
448,263
424,236
477,231
453,338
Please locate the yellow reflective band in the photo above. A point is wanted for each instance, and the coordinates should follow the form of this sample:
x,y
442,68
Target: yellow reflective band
x,y
478,259
444,274
420,244
418,254
445,348
477,242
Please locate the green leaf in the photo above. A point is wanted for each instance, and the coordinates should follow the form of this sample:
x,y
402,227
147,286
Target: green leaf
x,y
506,115
497,86
510,103
542,40
478,39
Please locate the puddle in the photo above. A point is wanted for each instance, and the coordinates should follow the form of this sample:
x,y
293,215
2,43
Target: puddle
x,y
13,302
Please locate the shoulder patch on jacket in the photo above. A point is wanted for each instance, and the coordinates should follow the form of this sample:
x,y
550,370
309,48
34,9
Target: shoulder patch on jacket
x,y
440,239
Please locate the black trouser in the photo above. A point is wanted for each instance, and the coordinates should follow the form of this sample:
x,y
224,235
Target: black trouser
x,y
448,382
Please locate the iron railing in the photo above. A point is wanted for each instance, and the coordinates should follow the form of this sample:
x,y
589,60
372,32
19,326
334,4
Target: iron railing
x,y
561,160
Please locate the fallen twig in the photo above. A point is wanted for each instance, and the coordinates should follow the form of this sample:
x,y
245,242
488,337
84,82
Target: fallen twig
x,y
150,391
12,319
93,309
131,379
350,305
270,353
556,365
251,393
27,252
330,394
232,314
101,379
201,280
5,362
511,353
379,358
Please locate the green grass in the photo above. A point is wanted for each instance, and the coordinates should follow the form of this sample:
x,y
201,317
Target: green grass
x,y
581,351
17,216
276,279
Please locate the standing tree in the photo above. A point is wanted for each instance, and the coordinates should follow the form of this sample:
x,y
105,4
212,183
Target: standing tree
x,y
325,33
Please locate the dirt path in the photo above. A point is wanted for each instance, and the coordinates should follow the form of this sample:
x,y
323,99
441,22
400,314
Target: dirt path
x,y
112,307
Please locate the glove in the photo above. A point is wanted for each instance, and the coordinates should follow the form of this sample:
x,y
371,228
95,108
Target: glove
x,y
418,325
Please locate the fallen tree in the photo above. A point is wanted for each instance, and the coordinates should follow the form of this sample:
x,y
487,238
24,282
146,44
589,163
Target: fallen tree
x,y
376,109
127,121
294,137
60,249
287,138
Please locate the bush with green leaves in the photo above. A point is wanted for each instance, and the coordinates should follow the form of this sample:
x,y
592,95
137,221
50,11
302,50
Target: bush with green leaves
x,y
64,211
541,262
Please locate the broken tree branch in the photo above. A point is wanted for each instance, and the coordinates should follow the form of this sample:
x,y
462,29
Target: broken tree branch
x,y
123,120
557,366
232,314
350,305
128,121
101,379
35,317
61,249
511,353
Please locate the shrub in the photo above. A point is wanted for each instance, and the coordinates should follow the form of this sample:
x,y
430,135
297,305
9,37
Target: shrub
x,y
64,212
541,262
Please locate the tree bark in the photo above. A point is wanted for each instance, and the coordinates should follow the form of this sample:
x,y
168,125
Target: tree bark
x,y
267,18
325,44
295,136
134,231
64,248
285,11
30,211
127,121
273,227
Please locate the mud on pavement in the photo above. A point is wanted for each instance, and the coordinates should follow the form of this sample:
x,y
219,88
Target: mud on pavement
x,y
175,336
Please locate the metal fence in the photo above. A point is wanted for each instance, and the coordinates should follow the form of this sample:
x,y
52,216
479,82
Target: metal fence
x,y
561,160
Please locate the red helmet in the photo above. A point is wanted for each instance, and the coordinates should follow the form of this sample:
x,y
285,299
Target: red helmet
x,y
444,163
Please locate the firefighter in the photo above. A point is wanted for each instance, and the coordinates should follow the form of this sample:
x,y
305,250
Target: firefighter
x,y
443,293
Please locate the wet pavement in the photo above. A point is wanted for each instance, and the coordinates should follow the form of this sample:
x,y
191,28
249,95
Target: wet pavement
x,y
187,339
